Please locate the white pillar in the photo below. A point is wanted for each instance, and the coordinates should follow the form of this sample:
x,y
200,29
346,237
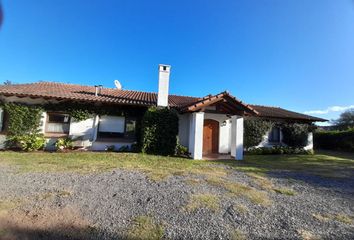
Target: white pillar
x,y
43,122
237,137
95,128
196,135
309,145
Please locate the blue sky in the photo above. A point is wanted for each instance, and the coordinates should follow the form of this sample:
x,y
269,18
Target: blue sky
x,y
297,54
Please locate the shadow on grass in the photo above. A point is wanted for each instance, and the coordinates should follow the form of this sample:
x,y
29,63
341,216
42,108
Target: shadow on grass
x,y
66,232
332,170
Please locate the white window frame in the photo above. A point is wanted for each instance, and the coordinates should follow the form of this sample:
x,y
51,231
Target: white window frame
x,y
1,119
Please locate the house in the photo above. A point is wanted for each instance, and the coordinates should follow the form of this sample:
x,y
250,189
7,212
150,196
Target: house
x,y
209,125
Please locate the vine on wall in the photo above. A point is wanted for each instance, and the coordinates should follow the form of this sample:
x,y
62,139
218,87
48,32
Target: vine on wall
x,y
294,134
254,130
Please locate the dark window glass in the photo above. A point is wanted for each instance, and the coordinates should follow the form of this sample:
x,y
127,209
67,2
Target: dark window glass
x,y
58,118
130,127
58,123
274,135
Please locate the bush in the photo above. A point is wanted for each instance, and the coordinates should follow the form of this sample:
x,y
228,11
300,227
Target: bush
x,y
159,131
277,150
30,142
295,134
254,130
335,140
64,144
181,151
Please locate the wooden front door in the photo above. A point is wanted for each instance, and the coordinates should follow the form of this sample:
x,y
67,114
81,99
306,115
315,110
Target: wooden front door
x,y
210,136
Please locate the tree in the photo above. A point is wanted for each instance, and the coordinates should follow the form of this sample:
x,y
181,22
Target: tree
x,y
345,120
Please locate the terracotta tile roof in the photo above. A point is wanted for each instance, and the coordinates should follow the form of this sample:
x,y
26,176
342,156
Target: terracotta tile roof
x,y
63,91
223,96
277,112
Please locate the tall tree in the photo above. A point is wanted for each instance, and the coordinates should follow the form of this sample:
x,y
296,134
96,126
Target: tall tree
x,y
345,120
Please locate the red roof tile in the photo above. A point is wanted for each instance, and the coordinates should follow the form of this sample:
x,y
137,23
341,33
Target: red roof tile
x,y
65,91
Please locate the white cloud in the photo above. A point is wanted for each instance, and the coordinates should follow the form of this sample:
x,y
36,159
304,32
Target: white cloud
x,y
330,109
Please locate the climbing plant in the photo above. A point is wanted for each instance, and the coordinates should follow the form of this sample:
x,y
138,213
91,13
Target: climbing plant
x,y
254,130
295,134
23,127
22,119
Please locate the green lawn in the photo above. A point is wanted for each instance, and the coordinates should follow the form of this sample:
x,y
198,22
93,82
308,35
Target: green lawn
x,y
326,164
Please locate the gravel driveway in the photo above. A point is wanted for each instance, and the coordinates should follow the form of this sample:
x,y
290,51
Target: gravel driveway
x,y
104,206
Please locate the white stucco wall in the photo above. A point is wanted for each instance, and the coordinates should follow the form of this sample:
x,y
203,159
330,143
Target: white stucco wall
x,y
309,142
266,143
183,129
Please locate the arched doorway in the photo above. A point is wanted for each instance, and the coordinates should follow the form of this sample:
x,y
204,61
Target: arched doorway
x,y
210,136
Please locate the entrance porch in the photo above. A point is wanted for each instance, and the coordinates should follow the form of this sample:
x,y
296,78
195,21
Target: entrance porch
x,y
216,127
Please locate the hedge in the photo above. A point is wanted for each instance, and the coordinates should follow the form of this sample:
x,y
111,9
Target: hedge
x,y
254,130
294,134
159,131
335,140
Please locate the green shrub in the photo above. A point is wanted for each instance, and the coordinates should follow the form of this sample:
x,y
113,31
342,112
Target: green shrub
x,y
254,130
23,127
181,151
335,140
295,134
159,131
277,150
29,142
23,119
64,144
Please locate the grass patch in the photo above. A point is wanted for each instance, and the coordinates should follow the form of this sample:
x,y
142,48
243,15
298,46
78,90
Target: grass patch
x,y
307,235
238,189
160,167
193,181
238,235
285,191
58,193
144,228
8,205
325,164
198,201
241,208
343,218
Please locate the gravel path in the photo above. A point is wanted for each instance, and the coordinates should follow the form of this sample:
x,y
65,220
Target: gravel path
x,y
107,203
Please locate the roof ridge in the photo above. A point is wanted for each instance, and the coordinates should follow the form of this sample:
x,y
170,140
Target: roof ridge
x,y
258,105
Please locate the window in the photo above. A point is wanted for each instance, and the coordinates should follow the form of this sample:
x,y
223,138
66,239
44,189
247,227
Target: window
x,y
130,127
111,127
116,127
274,135
58,123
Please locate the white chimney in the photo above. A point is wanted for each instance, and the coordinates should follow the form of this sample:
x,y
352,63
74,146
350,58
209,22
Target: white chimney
x,y
164,80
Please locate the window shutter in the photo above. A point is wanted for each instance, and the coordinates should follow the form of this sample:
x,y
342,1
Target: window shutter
x,y
112,124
